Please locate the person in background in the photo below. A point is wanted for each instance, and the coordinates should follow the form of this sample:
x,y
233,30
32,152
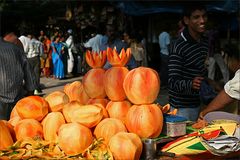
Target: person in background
x,y
55,34
95,42
137,51
144,45
42,34
180,27
230,93
164,43
47,70
35,50
215,56
70,44
16,77
113,40
186,66
126,38
25,41
57,58
127,41
65,55
42,57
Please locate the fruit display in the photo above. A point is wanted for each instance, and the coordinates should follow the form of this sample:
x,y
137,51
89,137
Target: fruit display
x,y
75,92
108,128
87,115
51,124
145,120
114,76
56,100
104,116
28,128
142,85
74,138
118,109
5,136
93,83
118,143
25,106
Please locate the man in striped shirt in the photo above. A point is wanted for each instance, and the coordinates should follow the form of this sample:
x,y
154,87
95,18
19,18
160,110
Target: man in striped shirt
x,y
187,63
16,77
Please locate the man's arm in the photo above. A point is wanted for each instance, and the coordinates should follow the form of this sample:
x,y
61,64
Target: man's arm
x,y
217,103
89,43
230,93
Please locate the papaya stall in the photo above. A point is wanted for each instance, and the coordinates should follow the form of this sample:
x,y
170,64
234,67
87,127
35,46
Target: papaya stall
x,y
111,114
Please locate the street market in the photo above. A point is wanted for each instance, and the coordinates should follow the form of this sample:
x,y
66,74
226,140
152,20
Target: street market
x,y
101,86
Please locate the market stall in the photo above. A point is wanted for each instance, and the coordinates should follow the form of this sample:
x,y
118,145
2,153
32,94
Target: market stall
x,y
107,116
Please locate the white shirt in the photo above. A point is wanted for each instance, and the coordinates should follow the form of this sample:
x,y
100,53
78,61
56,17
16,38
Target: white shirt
x,y
35,48
69,42
25,42
137,52
232,87
94,43
164,41
70,61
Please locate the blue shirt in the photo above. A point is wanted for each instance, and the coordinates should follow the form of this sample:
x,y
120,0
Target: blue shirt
x,y
164,42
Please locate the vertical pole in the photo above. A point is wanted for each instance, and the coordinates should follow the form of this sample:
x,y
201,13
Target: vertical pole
x,y
2,3
228,32
0,22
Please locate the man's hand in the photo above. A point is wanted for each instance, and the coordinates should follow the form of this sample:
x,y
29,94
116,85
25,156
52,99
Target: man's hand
x,y
197,82
201,123
200,116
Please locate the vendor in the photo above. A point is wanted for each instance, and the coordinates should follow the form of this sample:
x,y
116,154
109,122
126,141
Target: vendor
x,y
16,77
230,93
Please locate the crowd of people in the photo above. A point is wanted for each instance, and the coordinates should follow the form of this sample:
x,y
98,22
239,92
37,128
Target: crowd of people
x,y
56,56
184,67
111,38
64,56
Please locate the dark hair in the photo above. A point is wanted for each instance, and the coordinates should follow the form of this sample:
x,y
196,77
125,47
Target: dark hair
x,y
101,29
5,33
55,37
189,8
5,30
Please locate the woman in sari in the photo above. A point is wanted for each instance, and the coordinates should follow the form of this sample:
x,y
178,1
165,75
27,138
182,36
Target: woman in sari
x,y
57,58
47,70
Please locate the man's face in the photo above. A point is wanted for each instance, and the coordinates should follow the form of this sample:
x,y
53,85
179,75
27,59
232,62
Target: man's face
x,y
125,37
110,31
41,33
197,21
57,39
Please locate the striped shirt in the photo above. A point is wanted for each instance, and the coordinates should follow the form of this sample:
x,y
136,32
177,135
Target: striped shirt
x,y
35,48
186,60
15,73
